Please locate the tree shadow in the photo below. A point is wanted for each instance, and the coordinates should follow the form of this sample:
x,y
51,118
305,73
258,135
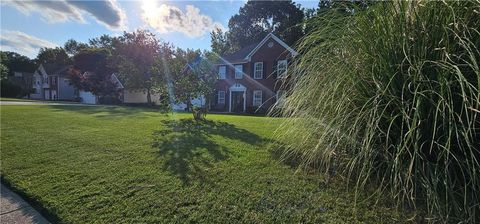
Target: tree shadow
x,y
189,148
105,111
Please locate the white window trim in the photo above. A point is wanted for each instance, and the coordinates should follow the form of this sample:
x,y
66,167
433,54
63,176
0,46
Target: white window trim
x,y
278,66
280,97
238,71
218,100
255,70
261,98
224,73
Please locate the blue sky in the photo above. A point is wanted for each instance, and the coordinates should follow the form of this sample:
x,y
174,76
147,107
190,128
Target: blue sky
x,y
28,26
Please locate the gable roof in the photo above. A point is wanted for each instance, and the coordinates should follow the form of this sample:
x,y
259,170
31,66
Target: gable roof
x,y
270,35
245,54
55,69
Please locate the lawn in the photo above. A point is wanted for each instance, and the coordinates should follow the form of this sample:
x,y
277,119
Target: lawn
x,y
133,165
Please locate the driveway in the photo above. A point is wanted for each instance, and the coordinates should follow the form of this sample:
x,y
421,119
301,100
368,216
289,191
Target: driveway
x,y
5,103
13,209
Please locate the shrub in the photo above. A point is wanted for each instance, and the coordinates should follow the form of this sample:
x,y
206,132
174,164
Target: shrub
x,y
390,97
9,89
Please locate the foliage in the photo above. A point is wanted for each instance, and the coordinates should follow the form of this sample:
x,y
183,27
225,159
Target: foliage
x,y
9,89
135,57
258,18
219,42
192,76
91,73
390,96
72,47
135,165
15,62
3,71
56,55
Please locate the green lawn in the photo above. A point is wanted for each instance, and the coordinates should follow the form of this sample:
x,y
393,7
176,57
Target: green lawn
x,y
134,165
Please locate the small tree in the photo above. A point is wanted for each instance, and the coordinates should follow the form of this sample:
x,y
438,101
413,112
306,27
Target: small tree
x,y
193,78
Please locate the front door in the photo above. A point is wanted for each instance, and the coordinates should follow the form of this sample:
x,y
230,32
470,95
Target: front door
x,y
237,102
47,95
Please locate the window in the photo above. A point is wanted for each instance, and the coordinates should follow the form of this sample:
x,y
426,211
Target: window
x,y
258,72
238,72
222,71
280,97
281,68
257,98
221,97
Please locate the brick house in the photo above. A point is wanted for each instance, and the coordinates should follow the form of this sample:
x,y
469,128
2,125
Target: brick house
x,y
250,79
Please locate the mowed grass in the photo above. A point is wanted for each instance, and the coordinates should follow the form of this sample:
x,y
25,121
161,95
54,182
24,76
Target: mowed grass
x,y
133,165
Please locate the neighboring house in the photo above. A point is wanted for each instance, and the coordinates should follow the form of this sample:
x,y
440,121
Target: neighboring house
x,y
129,96
50,82
250,79
90,98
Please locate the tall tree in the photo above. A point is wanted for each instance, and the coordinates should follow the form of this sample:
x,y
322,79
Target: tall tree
x,y
91,73
72,47
258,18
219,42
135,58
16,62
56,55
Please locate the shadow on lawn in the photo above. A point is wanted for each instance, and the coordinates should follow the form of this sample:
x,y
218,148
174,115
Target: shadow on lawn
x,y
106,111
189,148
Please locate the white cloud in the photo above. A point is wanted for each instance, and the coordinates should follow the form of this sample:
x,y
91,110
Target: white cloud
x,y
22,43
166,18
106,12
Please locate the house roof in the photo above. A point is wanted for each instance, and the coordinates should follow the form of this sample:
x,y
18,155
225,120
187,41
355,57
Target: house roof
x,y
237,56
245,54
52,69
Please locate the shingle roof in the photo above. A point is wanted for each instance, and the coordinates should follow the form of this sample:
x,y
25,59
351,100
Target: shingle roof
x,y
53,69
237,56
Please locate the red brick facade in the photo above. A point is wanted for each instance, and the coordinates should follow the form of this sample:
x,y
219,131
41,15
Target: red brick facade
x,y
269,51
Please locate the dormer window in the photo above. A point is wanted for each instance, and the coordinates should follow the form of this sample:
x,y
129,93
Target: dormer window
x,y
222,72
238,72
258,72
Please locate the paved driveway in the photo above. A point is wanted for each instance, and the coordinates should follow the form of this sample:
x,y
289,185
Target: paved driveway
x,y
42,103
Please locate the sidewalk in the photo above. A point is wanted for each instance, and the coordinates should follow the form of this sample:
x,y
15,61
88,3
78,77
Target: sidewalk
x,y
13,209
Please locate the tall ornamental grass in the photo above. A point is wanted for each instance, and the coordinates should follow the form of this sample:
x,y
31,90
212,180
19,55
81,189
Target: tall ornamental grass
x,y
390,97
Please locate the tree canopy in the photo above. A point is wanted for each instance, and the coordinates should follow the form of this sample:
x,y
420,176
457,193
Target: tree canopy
x,y
56,55
15,62
258,18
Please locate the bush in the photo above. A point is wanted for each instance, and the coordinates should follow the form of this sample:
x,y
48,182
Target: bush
x,y
8,89
390,97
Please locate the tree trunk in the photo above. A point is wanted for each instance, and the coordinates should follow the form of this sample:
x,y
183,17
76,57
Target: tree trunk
x,y
189,104
149,97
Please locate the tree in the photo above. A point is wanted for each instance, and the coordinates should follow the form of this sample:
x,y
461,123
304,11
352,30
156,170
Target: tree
x,y
15,62
91,73
136,55
258,18
72,47
219,42
105,41
193,77
56,55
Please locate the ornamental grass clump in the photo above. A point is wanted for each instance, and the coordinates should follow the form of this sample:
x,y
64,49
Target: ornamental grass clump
x,y
389,96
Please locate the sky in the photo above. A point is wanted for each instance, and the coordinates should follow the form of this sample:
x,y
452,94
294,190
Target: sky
x,y
27,26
